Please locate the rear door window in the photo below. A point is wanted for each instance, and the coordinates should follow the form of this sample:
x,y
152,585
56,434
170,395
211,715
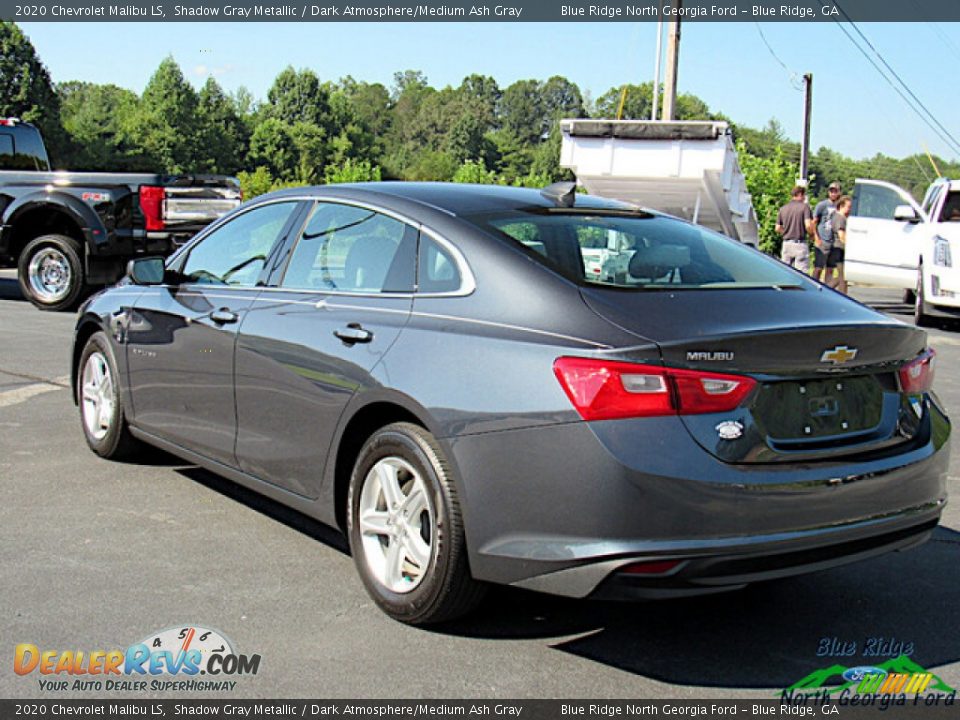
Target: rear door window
x,y
346,248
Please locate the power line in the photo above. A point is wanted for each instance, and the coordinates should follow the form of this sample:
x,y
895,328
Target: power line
x,y
797,85
895,88
942,132
950,44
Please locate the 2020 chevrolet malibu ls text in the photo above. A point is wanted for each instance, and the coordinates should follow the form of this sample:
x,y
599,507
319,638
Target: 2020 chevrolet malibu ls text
x,y
448,374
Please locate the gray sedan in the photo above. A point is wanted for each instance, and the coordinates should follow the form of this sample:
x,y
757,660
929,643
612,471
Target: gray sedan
x,y
447,374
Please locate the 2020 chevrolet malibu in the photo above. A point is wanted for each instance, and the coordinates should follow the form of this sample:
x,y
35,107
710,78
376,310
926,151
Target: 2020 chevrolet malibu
x,y
450,375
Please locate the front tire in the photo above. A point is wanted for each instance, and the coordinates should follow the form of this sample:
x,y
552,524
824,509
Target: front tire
x,y
921,311
406,530
50,271
101,405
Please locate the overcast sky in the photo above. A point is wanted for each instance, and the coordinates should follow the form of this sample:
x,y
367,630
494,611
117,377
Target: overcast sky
x,y
727,64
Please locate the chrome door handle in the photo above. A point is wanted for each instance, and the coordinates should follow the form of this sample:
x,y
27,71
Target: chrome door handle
x,y
354,333
224,316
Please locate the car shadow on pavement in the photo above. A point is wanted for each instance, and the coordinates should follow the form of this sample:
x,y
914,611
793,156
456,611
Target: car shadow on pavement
x,y
765,636
10,289
274,510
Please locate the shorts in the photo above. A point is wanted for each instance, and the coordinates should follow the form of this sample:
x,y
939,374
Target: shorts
x,y
829,259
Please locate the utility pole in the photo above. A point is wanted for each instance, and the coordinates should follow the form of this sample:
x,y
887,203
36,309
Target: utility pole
x,y
656,71
805,144
673,57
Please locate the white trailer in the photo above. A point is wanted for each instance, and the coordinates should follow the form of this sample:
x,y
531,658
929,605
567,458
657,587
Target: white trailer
x,y
688,169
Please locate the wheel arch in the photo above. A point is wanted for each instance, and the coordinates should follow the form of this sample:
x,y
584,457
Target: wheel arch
x,y
86,328
361,421
42,214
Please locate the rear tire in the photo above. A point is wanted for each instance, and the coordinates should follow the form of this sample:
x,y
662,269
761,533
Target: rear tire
x,y
102,413
406,530
921,311
909,297
50,271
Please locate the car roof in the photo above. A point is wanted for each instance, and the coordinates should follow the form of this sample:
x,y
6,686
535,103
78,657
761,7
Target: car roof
x,y
467,199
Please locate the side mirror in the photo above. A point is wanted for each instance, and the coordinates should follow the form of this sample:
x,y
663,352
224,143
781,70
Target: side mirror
x,y
146,271
905,213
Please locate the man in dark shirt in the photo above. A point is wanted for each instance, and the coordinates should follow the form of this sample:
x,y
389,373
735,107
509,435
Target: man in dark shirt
x,y
794,221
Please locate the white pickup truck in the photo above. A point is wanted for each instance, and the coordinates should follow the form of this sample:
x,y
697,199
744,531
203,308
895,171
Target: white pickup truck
x,y
894,241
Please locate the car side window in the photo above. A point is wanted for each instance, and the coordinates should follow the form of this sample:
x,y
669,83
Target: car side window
x,y
352,249
438,270
951,208
876,201
234,254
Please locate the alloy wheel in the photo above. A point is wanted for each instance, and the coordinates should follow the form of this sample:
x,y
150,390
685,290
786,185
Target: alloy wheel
x,y
397,524
97,396
49,275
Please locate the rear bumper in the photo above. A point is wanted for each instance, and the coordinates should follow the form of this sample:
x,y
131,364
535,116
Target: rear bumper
x,y
732,568
564,509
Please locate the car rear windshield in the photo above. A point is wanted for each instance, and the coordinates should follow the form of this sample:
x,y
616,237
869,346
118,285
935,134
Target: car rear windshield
x,y
636,250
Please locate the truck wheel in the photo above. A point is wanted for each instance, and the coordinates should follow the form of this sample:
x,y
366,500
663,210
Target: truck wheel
x,y
50,272
921,312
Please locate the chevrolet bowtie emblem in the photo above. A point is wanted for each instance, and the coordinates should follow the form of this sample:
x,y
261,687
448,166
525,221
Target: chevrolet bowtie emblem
x,y
839,355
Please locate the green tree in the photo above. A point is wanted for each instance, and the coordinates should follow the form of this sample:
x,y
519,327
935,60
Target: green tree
x,y
310,146
522,110
255,183
639,100
166,122
769,181
94,118
223,135
360,115
298,96
408,82
26,91
475,172
561,99
272,146
483,94
433,165
351,171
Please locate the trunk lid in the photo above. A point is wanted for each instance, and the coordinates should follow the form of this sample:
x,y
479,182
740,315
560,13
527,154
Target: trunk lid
x,y
825,366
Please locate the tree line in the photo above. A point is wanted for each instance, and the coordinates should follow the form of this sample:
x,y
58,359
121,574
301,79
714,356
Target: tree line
x,y
309,130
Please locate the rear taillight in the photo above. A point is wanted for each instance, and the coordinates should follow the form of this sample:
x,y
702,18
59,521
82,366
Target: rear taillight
x,y
917,375
606,390
151,205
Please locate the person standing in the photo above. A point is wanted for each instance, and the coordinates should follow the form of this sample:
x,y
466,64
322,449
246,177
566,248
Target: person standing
x,y
836,257
794,222
823,236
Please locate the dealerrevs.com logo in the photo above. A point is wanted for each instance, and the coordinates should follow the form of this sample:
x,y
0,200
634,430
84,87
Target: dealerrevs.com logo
x,y
172,659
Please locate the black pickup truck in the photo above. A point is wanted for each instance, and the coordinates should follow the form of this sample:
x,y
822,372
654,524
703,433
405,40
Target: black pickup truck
x,y
69,232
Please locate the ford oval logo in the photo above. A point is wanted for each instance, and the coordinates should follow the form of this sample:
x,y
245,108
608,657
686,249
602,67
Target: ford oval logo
x,y
856,674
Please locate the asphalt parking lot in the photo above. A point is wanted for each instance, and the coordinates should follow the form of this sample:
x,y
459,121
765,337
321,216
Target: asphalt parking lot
x,y
96,555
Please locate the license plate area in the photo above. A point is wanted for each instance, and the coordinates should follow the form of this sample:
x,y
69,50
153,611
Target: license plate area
x,y
813,409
